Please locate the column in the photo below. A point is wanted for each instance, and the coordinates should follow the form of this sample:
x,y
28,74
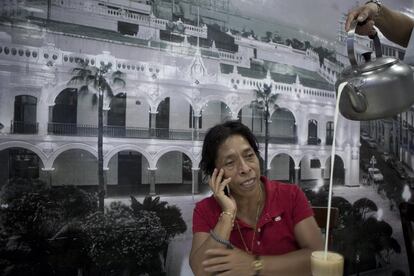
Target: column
x,y
43,118
297,170
151,177
48,176
322,132
105,175
354,167
322,173
196,120
196,180
153,123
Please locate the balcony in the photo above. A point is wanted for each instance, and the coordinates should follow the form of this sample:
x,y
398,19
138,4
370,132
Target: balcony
x,y
278,140
314,141
120,132
21,127
64,129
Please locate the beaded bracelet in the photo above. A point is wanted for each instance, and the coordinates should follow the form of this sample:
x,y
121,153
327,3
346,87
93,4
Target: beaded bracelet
x,y
220,240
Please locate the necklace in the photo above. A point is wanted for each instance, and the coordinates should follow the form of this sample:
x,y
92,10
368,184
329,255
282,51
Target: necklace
x,y
254,227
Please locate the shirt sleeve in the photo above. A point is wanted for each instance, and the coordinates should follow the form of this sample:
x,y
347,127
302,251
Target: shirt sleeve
x,y
301,207
200,223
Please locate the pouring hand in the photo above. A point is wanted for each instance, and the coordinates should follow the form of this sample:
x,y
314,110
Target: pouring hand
x,y
217,185
366,12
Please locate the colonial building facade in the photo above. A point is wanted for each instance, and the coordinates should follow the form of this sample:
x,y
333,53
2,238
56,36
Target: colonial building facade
x,y
181,79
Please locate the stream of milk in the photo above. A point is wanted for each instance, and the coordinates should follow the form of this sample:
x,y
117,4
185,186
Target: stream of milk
x,y
338,97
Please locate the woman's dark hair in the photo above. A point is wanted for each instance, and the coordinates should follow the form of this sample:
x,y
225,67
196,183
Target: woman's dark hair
x,y
216,136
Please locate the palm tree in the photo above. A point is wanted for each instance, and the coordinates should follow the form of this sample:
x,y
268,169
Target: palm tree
x,y
264,100
99,80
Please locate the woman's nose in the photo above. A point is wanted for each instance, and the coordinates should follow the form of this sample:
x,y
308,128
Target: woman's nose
x,y
244,167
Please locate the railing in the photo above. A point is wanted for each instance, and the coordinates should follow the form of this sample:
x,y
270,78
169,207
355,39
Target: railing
x,y
278,139
122,132
21,127
71,129
147,133
314,141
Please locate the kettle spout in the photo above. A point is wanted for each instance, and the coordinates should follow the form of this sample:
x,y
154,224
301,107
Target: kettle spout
x,y
358,101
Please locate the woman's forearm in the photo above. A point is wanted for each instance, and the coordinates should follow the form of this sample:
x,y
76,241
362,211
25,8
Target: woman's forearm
x,y
389,21
223,229
295,263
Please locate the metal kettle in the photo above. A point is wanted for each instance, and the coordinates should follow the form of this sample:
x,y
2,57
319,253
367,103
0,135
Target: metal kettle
x,y
375,89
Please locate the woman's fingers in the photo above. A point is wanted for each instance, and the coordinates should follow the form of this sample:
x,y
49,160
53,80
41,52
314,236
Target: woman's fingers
x,y
216,181
350,18
224,183
212,180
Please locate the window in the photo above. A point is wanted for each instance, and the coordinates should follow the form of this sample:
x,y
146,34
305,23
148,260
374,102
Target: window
x,y
126,28
329,132
315,164
25,114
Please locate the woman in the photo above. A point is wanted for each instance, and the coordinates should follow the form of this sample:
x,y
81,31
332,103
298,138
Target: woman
x,y
261,227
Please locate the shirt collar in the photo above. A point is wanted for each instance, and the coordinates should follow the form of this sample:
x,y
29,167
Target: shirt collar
x,y
272,209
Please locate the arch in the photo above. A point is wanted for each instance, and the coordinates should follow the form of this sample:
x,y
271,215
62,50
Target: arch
x,y
180,94
284,151
159,154
339,172
72,146
312,153
25,145
216,116
340,154
254,118
286,108
212,98
244,103
282,167
51,94
283,123
127,147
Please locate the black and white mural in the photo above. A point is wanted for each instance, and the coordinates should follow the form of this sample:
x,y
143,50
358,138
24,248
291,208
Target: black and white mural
x,y
104,105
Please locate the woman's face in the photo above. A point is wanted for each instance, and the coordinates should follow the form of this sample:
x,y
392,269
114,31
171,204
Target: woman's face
x,y
239,161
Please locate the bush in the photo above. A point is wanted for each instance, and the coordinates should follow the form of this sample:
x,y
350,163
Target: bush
x,y
119,239
38,227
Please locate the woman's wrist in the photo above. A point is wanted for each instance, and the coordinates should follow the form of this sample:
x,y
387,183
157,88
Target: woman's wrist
x,y
377,5
257,265
229,215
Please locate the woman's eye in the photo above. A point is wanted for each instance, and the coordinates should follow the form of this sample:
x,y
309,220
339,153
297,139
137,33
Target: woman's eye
x,y
229,163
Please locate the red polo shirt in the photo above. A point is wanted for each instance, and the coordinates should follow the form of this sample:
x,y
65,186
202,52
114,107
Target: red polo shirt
x,y
285,206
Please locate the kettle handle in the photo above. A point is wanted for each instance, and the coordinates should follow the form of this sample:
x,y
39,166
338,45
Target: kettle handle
x,y
350,44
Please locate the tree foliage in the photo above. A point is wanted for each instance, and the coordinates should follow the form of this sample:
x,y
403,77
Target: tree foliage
x,y
99,81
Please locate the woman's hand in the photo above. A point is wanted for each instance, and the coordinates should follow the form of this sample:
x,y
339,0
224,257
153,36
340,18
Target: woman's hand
x,y
362,13
223,262
217,185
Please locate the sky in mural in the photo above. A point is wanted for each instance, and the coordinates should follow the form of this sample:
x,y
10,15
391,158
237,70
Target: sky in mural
x,y
318,17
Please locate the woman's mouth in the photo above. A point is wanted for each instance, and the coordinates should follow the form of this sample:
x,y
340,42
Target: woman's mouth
x,y
248,183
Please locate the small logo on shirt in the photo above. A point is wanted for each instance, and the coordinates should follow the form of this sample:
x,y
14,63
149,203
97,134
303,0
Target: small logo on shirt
x,y
278,218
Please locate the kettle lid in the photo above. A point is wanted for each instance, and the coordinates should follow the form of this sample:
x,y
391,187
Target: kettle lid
x,y
378,63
